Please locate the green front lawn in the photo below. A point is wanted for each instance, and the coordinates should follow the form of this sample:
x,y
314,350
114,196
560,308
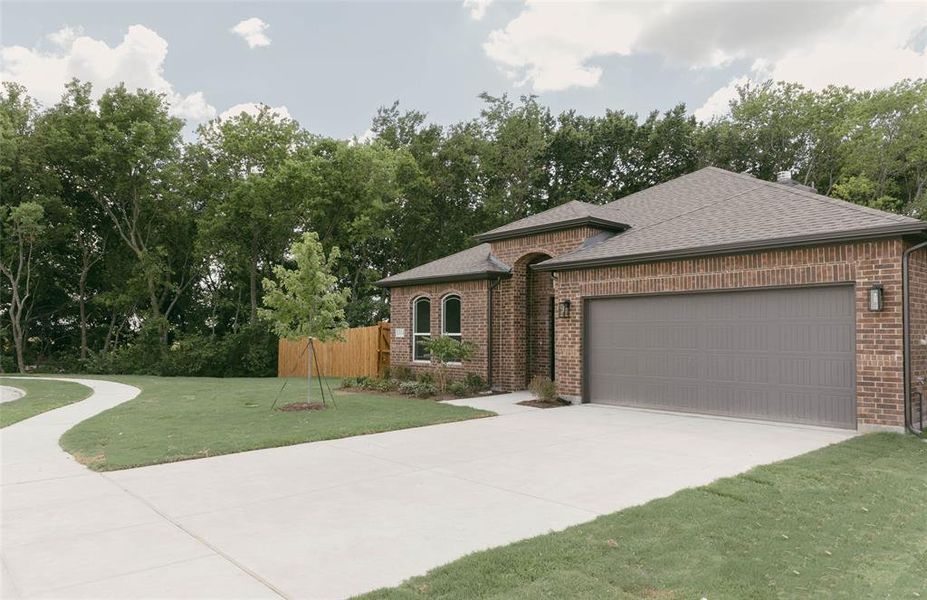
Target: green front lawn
x,y
178,418
41,396
847,521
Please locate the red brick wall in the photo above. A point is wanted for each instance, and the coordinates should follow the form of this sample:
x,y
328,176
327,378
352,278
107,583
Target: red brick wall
x,y
472,322
917,296
510,342
879,359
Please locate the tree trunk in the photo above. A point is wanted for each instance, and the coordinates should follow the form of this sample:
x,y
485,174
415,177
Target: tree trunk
x,y
254,261
109,332
17,331
309,371
82,292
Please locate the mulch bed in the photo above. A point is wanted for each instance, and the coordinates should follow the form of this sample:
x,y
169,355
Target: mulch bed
x,y
544,403
302,406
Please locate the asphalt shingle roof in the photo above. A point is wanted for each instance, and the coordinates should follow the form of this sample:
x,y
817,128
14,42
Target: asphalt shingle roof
x,y
473,263
710,210
570,214
713,209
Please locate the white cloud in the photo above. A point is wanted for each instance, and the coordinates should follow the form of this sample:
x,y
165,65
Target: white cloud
x,y
553,46
871,48
65,36
477,8
252,31
719,102
549,44
253,108
137,61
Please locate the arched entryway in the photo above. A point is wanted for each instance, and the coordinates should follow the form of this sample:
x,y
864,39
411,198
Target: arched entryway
x,y
537,304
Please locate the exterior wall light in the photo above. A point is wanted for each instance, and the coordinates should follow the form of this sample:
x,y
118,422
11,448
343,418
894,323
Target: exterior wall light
x,y
876,298
564,309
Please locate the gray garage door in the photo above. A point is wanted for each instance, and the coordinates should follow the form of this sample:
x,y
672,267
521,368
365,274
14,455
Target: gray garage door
x,y
783,355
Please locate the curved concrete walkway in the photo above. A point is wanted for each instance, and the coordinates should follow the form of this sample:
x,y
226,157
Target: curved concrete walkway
x,y
70,532
9,393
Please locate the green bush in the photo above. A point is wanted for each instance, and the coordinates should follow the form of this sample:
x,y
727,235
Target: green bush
x,y
418,389
249,352
426,378
459,389
350,382
544,389
425,390
475,383
383,385
402,373
445,350
408,387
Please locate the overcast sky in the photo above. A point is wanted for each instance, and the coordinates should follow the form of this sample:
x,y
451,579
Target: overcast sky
x,y
330,65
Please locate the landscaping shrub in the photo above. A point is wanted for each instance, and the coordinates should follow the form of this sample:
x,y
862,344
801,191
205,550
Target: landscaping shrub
x,y
350,382
402,373
383,385
418,389
426,378
459,389
363,383
408,387
373,384
544,389
425,390
475,383
445,350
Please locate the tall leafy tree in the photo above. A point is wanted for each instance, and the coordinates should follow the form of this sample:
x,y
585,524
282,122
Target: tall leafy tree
x,y
24,226
70,135
251,209
133,178
25,190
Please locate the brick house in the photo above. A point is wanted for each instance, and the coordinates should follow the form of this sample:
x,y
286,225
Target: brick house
x,y
714,293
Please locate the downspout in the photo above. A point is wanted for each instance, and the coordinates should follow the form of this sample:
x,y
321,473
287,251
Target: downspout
x,y
906,334
492,286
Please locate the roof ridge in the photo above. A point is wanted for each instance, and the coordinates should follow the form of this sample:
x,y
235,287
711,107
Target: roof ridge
x,y
633,230
694,210
609,205
824,198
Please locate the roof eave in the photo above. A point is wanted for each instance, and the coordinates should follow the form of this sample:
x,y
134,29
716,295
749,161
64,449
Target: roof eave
x,y
739,247
604,224
383,283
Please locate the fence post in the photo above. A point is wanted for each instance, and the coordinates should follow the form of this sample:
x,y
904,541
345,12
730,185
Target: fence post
x,y
383,348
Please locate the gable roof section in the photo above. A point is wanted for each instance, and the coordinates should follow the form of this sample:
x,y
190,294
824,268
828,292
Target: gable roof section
x,y
710,211
716,211
565,216
473,263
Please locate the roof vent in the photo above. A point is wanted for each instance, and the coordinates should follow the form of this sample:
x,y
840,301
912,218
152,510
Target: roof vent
x,y
783,176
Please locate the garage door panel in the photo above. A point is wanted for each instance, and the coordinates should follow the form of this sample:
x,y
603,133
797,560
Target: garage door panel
x,y
737,336
786,355
741,368
647,335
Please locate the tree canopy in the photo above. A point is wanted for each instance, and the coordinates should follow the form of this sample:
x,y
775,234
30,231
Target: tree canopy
x,y
127,247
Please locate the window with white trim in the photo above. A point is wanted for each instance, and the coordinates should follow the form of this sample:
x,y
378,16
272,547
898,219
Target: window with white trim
x,y
421,328
450,317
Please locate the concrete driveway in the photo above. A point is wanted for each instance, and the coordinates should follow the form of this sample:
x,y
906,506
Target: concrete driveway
x,y
332,519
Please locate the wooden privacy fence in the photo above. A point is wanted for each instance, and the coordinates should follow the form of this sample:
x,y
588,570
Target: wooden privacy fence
x,y
364,352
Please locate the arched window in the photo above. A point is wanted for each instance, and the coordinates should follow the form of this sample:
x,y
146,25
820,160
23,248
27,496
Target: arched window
x,y
421,328
450,317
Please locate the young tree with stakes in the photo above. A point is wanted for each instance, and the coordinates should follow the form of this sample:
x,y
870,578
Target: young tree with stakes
x,y
305,301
